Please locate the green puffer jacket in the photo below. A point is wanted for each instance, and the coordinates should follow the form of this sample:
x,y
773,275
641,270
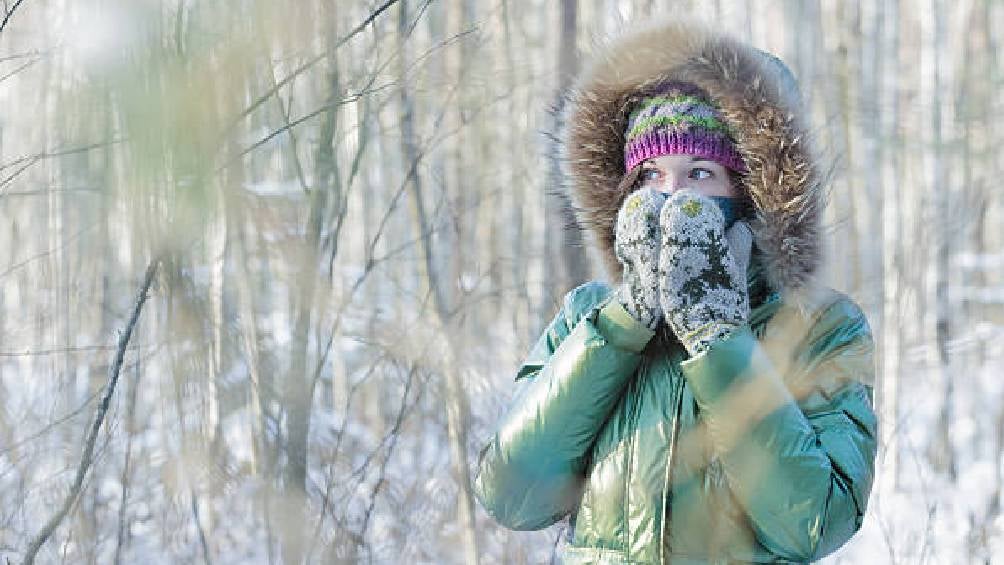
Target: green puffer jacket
x,y
759,450
614,425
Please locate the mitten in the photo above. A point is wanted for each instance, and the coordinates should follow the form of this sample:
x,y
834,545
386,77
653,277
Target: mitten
x,y
636,245
702,270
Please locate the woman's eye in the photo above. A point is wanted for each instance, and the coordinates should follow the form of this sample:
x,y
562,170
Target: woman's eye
x,y
648,175
699,173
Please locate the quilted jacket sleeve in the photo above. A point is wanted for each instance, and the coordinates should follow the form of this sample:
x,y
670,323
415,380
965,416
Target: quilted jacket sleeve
x,y
530,473
794,428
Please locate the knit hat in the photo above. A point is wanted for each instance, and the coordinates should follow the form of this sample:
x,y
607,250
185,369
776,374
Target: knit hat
x,y
677,119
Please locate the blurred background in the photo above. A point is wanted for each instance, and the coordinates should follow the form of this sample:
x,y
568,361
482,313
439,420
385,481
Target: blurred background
x,y
350,235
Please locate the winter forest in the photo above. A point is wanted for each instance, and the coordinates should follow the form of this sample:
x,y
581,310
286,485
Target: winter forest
x,y
268,268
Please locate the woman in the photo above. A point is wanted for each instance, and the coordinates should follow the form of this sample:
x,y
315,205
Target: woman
x,y
712,404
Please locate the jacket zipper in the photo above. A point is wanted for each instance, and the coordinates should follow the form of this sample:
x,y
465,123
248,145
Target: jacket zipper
x,y
669,464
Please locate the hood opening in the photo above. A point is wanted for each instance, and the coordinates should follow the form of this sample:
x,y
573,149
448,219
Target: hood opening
x,y
759,99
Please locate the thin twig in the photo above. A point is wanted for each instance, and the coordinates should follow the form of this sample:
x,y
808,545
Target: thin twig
x,y
394,433
68,416
365,23
49,427
25,55
47,191
309,63
121,537
60,152
99,417
365,91
202,532
10,12
19,69
22,163
41,352
45,254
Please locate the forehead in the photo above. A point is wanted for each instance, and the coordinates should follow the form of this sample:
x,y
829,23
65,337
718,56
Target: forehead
x,y
680,161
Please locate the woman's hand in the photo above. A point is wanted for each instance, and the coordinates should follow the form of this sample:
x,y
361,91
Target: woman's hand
x,y
702,270
637,240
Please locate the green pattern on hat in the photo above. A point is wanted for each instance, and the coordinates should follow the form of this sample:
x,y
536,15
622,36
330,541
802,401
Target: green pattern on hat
x,y
646,124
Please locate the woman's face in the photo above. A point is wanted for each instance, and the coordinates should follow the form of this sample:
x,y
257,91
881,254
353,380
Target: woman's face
x,y
669,173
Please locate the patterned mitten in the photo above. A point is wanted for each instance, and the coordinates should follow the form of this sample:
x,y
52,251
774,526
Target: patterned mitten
x,y
703,270
636,245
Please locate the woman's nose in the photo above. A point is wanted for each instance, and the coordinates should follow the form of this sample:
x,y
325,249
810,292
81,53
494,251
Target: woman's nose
x,y
672,183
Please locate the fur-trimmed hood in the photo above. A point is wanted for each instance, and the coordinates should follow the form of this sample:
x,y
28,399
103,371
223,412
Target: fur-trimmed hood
x,y
759,99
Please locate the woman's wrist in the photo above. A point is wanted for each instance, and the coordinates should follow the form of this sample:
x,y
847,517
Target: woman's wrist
x,y
698,340
621,327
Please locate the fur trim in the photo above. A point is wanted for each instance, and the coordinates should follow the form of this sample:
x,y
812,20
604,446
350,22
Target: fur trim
x,y
758,98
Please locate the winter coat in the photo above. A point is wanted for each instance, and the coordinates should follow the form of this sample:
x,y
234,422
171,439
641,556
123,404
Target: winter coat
x,y
759,450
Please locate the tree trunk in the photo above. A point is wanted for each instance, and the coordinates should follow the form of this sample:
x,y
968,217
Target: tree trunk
x,y
212,426
299,390
991,239
520,303
567,263
940,450
444,318
892,268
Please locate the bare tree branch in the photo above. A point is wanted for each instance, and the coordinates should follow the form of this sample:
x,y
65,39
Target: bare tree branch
x,y
365,91
69,415
365,23
121,537
8,13
48,191
22,67
310,63
25,55
99,417
394,434
22,163
45,254
49,427
57,351
202,532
